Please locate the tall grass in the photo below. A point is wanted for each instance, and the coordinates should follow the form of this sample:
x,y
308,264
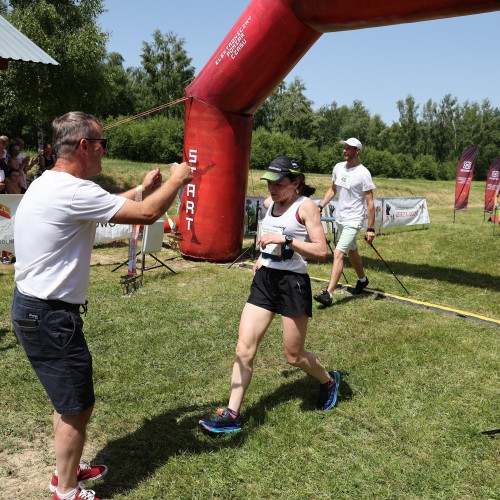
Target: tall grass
x,y
418,387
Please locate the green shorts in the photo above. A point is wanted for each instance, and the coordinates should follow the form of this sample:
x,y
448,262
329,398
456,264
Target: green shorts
x,y
347,238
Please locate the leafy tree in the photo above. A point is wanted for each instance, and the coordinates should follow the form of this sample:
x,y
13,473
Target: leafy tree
x,y
330,120
266,114
294,111
165,73
120,97
33,94
444,135
357,122
408,122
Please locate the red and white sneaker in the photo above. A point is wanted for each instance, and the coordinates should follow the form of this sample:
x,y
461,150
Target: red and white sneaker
x,y
81,494
85,472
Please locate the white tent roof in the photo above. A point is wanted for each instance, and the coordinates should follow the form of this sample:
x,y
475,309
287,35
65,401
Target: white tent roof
x,y
15,46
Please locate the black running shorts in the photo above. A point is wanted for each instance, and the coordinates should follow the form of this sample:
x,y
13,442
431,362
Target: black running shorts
x,y
283,292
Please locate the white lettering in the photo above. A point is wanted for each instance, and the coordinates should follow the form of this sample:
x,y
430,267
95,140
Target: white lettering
x,y
189,220
191,190
190,207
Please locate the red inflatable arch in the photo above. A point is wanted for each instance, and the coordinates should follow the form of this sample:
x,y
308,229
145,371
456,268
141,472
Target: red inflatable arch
x,y
266,42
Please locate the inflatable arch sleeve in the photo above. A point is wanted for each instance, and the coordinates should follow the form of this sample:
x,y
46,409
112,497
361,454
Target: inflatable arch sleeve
x,y
266,42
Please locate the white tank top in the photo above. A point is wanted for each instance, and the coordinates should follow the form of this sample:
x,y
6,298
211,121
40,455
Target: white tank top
x,y
287,223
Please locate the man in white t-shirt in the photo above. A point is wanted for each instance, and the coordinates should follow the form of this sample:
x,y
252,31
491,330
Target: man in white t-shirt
x,y
54,233
354,186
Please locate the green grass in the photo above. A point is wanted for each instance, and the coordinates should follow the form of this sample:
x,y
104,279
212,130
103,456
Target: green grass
x,y
418,386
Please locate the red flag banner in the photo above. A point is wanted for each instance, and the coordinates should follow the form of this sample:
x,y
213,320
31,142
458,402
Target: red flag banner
x,y
492,182
464,177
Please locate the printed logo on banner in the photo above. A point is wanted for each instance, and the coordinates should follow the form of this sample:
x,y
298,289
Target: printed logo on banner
x,y
467,165
495,175
5,211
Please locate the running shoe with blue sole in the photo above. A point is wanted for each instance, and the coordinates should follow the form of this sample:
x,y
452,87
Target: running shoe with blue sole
x,y
328,395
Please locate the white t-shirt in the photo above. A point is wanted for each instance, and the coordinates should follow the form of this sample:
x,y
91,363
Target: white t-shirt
x,y
352,184
286,223
54,232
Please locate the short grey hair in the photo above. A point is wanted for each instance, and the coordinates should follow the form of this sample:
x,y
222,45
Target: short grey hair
x,y
68,129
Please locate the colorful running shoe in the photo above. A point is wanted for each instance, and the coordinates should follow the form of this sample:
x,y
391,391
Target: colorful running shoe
x,y
223,423
328,394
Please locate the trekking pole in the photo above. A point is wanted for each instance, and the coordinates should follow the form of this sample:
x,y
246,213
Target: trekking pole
x,y
387,265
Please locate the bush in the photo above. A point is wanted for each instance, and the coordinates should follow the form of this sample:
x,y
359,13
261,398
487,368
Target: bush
x,y
425,167
155,140
268,145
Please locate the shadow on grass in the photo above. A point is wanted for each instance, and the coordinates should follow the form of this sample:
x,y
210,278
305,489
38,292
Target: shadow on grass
x,y
135,457
8,339
424,271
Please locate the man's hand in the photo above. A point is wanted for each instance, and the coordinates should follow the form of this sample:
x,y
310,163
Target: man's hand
x,y
181,172
151,182
369,236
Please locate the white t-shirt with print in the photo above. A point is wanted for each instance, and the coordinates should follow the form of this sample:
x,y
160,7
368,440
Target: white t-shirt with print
x,y
352,184
54,232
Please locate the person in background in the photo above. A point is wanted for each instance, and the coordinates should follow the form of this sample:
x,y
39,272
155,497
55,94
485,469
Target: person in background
x,y
353,183
47,158
58,217
291,231
12,182
4,144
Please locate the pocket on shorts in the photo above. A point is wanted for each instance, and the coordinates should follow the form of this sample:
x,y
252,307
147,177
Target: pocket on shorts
x,y
61,326
28,330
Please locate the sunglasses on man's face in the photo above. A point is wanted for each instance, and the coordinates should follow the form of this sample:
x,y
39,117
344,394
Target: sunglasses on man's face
x,y
104,142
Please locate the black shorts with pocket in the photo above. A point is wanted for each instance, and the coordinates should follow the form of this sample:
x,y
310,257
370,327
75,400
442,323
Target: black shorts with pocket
x,y
51,333
283,292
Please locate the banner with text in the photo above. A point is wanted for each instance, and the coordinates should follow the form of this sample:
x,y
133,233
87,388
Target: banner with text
x,y
8,207
492,183
464,177
389,212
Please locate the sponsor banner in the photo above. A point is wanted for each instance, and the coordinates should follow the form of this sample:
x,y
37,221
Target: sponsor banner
x,y
8,206
389,212
404,212
464,177
492,183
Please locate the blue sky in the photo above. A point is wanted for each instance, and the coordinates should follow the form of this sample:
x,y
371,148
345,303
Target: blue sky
x,y
377,66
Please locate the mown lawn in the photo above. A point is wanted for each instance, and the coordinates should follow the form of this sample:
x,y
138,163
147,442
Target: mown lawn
x,y
418,389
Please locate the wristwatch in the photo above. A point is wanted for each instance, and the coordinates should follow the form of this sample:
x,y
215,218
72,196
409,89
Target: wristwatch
x,y
320,207
288,240
370,230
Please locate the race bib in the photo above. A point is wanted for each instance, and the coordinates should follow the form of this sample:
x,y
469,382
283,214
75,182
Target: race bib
x,y
271,248
344,181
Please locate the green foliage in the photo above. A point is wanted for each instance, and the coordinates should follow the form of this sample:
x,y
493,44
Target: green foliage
x,y
166,71
268,145
67,31
156,139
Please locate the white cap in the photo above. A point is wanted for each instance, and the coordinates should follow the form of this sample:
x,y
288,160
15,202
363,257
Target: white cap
x,y
352,141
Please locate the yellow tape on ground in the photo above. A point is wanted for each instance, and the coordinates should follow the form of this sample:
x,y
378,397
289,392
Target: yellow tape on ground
x,y
413,302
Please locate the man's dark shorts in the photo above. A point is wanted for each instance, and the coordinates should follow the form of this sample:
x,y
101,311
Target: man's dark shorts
x,y
283,292
51,333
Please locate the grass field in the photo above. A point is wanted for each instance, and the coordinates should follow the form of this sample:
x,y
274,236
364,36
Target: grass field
x,y
418,389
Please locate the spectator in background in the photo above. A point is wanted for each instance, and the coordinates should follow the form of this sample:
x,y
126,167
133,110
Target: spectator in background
x,y
47,158
12,183
21,163
4,143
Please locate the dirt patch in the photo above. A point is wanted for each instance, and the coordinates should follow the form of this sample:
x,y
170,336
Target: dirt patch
x,y
25,472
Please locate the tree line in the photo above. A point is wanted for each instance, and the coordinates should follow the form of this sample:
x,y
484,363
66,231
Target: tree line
x,y
426,141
